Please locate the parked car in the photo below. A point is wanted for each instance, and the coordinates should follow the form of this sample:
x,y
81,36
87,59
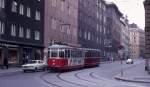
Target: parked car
x,y
129,61
34,65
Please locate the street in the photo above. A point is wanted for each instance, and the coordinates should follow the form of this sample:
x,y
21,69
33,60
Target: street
x,y
102,76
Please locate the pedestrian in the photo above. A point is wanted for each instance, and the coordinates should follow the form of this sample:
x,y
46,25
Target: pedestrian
x,y
112,59
6,63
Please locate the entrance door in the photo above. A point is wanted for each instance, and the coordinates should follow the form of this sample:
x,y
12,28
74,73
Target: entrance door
x,y
13,57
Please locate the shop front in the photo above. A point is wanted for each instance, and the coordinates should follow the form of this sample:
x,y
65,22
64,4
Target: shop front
x,y
18,54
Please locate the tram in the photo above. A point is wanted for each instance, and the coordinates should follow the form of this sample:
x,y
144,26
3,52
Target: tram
x,y
62,57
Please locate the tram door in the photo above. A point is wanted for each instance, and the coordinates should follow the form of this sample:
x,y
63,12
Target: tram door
x,y
68,56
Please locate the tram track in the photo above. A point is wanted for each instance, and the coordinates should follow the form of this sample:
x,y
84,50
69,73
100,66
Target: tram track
x,y
58,75
76,75
94,77
48,82
60,78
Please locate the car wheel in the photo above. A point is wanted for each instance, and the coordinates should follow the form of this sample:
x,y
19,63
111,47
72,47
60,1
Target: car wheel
x,y
24,71
35,70
44,69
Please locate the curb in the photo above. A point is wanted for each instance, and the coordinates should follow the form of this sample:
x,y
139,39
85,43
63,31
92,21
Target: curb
x,y
9,73
130,80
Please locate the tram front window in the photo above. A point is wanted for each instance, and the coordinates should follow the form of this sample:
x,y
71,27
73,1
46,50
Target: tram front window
x,y
54,54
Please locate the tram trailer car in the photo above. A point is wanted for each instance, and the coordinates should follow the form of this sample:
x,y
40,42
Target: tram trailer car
x,y
62,57
92,58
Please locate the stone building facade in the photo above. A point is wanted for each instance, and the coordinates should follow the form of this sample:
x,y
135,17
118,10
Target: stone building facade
x,y
114,29
147,34
134,41
78,23
21,30
61,22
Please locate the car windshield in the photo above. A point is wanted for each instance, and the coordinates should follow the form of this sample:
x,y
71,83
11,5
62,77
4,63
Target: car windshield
x,y
31,62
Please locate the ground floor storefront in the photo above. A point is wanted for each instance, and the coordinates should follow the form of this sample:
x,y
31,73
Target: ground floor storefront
x,y
17,55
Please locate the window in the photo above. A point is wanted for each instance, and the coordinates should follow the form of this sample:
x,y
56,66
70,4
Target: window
x,y
54,3
37,35
21,32
104,8
104,19
104,30
37,15
80,33
28,34
2,26
97,40
62,5
21,9
68,31
100,29
89,35
85,35
69,10
97,27
14,6
13,30
54,23
54,54
2,4
28,12
61,54
97,14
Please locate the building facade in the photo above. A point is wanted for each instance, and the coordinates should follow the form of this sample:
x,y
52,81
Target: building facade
x,y
147,34
21,30
142,42
114,29
134,41
78,23
61,22
91,24
125,38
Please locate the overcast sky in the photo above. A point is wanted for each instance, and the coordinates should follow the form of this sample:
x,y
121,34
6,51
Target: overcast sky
x,y
134,9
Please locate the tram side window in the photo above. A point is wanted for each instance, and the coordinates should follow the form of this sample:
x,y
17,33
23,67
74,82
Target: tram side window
x,y
61,54
76,54
88,54
54,54
67,53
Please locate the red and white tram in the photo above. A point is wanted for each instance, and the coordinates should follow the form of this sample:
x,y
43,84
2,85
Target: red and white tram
x,y
62,57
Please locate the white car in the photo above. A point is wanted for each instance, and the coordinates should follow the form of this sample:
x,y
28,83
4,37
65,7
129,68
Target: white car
x,y
129,61
34,65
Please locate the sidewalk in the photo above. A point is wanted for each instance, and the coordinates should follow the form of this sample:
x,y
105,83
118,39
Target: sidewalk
x,y
135,74
9,71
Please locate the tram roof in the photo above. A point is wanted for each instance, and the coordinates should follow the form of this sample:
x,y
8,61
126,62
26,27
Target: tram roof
x,y
90,49
59,46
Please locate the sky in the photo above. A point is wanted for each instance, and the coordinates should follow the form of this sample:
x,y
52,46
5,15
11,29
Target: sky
x,y
134,9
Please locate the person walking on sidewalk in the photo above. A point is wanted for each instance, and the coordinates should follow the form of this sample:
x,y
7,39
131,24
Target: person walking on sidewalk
x,y
6,63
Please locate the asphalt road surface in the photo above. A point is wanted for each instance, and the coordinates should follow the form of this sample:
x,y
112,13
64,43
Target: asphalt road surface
x,y
102,76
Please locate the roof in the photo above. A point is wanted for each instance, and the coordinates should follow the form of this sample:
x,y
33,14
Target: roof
x,y
113,5
59,46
